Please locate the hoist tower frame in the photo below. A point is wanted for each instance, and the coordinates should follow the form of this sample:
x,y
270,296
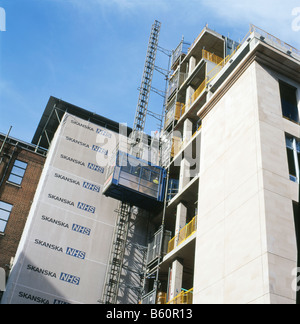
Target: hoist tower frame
x,y
116,263
145,89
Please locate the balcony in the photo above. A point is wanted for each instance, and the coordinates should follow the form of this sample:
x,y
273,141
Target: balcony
x,y
183,235
173,113
216,64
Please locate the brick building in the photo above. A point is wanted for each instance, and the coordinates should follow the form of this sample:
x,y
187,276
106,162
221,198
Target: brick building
x,y
20,169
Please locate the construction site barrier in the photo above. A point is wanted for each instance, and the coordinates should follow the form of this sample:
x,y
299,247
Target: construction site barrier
x,y
211,57
184,298
183,235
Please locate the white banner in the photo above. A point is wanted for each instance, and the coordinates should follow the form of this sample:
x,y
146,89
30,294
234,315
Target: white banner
x,y
64,251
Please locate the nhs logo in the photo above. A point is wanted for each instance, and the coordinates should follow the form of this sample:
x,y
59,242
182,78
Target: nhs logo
x,y
91,187
69,279
87,208
75,253
81,229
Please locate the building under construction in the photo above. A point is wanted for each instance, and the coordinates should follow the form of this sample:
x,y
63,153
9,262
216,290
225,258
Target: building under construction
x,y
206,212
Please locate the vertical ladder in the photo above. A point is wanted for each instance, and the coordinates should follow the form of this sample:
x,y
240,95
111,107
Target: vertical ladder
x,y
117,255
142,106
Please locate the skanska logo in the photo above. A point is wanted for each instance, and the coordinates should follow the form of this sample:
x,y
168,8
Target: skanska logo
x,y
2,20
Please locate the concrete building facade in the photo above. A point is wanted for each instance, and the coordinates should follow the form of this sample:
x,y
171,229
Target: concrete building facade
x,y
234,215
245,194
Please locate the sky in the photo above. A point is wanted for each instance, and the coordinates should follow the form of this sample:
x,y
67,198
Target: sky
x,y
91,53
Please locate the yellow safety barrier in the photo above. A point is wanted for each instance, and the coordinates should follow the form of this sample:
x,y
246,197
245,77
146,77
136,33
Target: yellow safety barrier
x,y
161,298
171,244
211,57
220,63
184,298
194,97
227,58
184,234
178,109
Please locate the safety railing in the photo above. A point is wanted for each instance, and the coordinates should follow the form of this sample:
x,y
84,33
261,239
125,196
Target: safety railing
x,y
175,81
194,97
211,57
173,113
220,63
183,235
218,68
184,298
181,49
274,39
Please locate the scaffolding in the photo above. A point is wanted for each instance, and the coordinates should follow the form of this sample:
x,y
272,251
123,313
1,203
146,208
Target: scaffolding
x,y
111,288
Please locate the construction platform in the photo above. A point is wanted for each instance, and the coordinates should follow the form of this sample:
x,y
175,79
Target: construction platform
x,y
136,182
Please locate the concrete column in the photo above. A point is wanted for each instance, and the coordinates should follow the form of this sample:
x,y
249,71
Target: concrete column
x,y
176,278
184,175
180,219
189,92
187,130
192,64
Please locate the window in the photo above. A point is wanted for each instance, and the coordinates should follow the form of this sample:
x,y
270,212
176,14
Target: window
x,y
5,210
293,155
146,174
154,178
289,102
17,172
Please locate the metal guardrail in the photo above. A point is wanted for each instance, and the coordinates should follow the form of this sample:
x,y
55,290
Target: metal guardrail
x,y
183,235
212,58
274,39
154,246
254,29
194,97
181,49
150,298
184,298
